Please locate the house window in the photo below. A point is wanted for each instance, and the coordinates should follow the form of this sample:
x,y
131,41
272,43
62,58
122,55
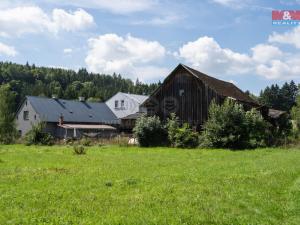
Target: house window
x,y
20,132
35,117
122,103
26,115
116,104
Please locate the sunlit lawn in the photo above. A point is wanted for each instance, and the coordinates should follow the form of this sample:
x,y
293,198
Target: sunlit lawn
x,y
119,185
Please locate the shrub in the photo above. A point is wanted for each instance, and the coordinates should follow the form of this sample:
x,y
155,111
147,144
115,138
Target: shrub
x,y
185,137
150,132
229,126
172,127
37,136
79,150
281,130
257,128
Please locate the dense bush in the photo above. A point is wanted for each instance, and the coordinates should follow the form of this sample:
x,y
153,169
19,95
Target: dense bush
x,y
282,130
172,128
185,137
257,129
150,132
37,136
229,126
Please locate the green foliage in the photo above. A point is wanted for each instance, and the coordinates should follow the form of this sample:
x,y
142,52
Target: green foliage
x,y
79,150
281,130
150,132
172,127
41,81
185,137
281,98
258,130
229,126
295,115
8,132
37,136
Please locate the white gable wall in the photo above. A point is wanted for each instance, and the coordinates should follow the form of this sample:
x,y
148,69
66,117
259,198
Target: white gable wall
x,y
131,104
25,125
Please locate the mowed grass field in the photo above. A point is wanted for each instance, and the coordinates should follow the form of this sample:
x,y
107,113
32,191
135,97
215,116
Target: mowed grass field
x,y
119,185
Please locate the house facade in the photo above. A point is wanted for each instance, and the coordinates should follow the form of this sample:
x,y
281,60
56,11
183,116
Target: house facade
x,y
127,108
66,118
188,93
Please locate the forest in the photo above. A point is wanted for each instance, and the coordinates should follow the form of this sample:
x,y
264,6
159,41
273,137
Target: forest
x,y
68,84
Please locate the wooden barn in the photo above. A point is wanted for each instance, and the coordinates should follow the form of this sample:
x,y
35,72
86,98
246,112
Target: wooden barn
x,y
188,93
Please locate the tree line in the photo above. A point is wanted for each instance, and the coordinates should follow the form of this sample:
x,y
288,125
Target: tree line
x,y
68,84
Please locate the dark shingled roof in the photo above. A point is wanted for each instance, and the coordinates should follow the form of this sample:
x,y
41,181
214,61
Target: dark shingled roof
x,y
223,88
50,109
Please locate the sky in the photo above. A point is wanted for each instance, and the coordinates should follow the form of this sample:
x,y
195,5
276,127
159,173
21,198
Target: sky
x,y
232,40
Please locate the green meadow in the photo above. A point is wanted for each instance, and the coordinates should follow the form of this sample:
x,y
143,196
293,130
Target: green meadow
x,y
132,185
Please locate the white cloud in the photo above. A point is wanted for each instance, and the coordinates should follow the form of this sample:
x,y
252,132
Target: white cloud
x,y
263,53
207,55
7,50
159,21
32,19
291,37
71,21
114,6
282,70
68,50
266,60
128,55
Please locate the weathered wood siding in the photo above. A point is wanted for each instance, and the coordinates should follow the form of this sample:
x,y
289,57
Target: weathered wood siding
x,y
185,95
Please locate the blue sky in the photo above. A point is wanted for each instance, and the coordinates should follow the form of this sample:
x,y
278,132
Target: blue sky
x,y
233,40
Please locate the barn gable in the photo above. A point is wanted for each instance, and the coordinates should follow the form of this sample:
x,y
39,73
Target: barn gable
x,y
188,93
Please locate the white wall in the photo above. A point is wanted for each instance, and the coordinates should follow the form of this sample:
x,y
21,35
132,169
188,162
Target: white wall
x,y
25,125
130,105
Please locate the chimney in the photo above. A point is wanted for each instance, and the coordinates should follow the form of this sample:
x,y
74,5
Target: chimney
x,y
81,99
61,119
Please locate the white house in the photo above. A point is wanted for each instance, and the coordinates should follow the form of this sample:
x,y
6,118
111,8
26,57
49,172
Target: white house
x,y
123,104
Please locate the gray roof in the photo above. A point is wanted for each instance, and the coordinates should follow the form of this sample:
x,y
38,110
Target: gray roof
x,y
133,116
138,98
50,109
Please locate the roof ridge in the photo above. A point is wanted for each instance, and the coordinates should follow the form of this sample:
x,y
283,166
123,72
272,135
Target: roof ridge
x,y
61,99
189,68
215,84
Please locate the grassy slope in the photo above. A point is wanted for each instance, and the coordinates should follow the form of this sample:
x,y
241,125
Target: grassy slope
x,y
112,185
